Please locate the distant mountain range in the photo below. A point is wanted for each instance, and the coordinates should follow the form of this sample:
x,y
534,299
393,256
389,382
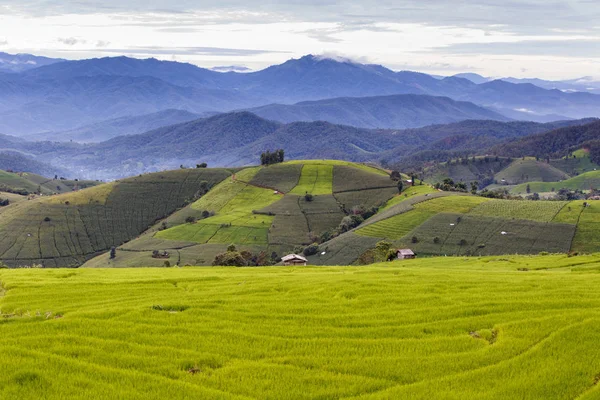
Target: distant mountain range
x,y
393,112
66,95
585,84
23,62
238,138
101,131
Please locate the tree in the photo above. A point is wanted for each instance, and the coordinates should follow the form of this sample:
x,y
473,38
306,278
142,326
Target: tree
x,y
190,219
400,186
268,157
395,175
202,165
413,178
308,197
528,189
113,253
311,250
383,251
474,187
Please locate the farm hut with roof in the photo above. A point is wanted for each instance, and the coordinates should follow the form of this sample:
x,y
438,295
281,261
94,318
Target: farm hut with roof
x,y
405,254
294,259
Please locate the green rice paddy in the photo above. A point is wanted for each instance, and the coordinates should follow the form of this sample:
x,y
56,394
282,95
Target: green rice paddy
x,y
454,328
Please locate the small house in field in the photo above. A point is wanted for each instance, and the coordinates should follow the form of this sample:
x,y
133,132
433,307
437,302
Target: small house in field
x,y
294,259
405,254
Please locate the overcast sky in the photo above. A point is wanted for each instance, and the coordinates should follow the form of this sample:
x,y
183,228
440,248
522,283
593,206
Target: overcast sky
x,y
527,38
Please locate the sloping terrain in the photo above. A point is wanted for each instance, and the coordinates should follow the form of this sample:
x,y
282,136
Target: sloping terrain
x,y
586,181
445,223
260,209
106,130
529,170
28,183
464,328
68,229
399,111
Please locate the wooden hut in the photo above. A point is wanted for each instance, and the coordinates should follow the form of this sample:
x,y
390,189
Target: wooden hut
x,y
405,254
294,259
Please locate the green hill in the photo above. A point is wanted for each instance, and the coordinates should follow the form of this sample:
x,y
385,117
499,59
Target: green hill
x,y
260,209
445,328
475,169
68,229
586,181
445,223
576,163
28,183
529,170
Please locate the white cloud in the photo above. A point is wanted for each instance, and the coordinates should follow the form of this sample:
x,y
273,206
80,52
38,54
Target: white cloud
x,y
268,34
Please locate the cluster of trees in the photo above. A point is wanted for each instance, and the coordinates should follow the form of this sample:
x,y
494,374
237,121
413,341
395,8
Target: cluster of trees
x,y
275,157
234,258
383,251
4,202
448,185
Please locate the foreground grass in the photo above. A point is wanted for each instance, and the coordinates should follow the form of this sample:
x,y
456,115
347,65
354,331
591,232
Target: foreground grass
x,y
430,328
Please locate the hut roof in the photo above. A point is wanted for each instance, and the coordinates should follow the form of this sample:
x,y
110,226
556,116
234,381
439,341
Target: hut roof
x,y
290,257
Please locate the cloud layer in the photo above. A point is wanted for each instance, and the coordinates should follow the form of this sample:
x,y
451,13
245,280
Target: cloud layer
x,y
528,37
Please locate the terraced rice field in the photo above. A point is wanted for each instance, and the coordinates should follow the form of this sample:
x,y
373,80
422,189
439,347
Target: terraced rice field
x,y
485,328
587,181
235,221
530,170
459,234
407,193
69,229
315,179
542,211
397,226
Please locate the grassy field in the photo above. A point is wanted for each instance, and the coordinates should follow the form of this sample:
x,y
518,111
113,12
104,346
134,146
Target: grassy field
x,y
576,165
585,181
281,177
542,211
400,225
409,192
315,179
530,170
32,183
68,229
235,221
11,197
456,328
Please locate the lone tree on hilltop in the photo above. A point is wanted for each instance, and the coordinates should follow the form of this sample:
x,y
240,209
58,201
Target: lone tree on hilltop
x,y
275,157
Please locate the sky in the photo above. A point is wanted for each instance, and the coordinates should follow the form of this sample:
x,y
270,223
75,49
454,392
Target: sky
x,y
498,38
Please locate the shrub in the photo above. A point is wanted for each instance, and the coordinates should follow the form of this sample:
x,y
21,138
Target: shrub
x,y
311,250
308,197
230,259
205,214
436,240
462,242
47,219
414,239
167,264
201,165
190,219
